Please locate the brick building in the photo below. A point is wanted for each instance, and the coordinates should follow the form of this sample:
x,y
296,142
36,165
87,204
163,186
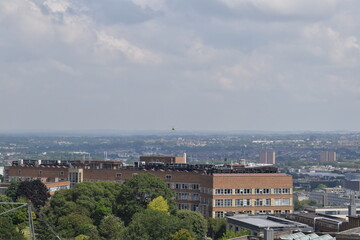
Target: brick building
x,y
212,190
164,159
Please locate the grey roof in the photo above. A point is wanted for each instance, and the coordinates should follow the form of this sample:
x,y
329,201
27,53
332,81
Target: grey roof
x,y
260,222
302,236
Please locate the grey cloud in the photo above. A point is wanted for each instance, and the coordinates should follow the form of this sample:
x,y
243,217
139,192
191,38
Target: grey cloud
x,y
204,65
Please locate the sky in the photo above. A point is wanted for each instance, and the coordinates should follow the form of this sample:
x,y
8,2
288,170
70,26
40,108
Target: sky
x,y
204,65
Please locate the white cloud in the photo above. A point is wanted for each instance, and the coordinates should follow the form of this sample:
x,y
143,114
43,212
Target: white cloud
x,y
57,6
133,53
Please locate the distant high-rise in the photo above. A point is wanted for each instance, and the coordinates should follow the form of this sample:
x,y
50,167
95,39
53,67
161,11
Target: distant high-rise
x,y
328,157
267,157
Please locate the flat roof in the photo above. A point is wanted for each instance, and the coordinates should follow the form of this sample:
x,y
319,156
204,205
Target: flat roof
x,y
265,221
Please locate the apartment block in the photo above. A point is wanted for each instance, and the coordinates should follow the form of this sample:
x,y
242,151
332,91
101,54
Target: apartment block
x,y
328,157
214,191
267,157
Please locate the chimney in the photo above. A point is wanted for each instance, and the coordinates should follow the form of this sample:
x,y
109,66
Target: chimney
x,y
268,234
352,206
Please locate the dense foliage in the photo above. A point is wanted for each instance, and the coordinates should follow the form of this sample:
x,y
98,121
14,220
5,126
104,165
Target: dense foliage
x,y
230,235
137,192
141,208
216,227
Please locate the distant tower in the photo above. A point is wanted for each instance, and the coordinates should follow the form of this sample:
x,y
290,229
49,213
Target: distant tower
x,y
328,157
267,157
352,206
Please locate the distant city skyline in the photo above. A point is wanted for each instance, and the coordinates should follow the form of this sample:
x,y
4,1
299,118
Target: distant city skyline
x,y
214,65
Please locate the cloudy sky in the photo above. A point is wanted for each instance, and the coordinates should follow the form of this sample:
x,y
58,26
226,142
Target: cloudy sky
x,y
201,65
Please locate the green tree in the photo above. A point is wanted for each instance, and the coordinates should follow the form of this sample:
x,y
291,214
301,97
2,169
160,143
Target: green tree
x,y
216,227
11,191
159,204
82,237
89,202
35,191
152,225
18,217
8,230
75,224
182,234
320,186
299,205
137,192
230,234
112,228
194,222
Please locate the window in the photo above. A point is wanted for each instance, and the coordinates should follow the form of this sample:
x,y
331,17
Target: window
x,y
267,202
62,173
185,186
262,191
40,172
227,202
258,202
286,190
226,191
277,201
169,185
168,177
239,202
262,212
266,191
219,202
286,202
242,202
277,211
177,186
118,175
19,171
195,186
195,207
241,191
183,206
219,214
184,196
277,190
195,197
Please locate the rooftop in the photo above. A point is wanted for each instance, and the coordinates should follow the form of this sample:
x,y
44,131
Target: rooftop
x,y
261,222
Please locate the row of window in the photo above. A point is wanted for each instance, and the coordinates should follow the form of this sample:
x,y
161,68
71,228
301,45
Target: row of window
x,y
249,191
187,196
252,202
186,206
191,186
41,172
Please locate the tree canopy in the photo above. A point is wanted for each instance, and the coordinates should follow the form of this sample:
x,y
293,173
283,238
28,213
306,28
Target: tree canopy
x,y
137,192
194,222
159,204
34,191
87,202
152,225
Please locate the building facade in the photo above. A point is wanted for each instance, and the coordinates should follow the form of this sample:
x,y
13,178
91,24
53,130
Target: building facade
x,y
211,190
267,157
328,157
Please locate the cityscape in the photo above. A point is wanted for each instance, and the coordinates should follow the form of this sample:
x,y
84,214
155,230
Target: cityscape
x,y
179,120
